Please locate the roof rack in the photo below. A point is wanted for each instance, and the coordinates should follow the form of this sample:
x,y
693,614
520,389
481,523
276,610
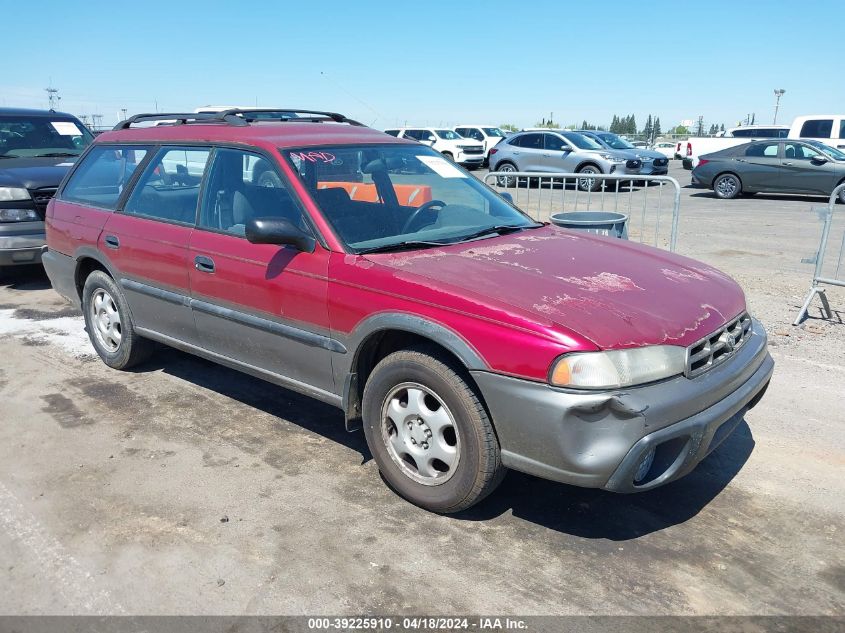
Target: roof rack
x,y
239,117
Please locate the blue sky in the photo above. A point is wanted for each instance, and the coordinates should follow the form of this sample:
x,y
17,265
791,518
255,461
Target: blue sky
x,y
433,62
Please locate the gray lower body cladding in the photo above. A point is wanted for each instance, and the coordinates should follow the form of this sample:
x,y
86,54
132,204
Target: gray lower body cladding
x,y
597,440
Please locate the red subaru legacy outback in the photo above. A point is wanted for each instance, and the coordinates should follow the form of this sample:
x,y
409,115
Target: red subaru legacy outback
x,y
373,274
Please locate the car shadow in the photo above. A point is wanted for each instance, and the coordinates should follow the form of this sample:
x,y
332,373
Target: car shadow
x,y
598,514
25,278
583,512
809,199
285,404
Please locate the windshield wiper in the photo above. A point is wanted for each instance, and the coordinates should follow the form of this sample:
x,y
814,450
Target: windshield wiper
x,y
54,154
401,246
500,229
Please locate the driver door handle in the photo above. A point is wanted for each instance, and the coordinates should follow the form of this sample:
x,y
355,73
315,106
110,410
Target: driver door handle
x,y
788,164
204,264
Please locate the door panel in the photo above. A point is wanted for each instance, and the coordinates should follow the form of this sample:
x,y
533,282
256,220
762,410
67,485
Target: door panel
x,y
801,175
261,304
264,305
760,167
530,153
152,258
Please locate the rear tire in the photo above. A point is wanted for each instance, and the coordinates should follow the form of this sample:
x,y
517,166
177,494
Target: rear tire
x,y
109,323
429,433
506,181
841,196
727,186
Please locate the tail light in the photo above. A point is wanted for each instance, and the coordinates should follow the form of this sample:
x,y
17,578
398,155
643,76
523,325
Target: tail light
x,y
493,151
702,161
689,149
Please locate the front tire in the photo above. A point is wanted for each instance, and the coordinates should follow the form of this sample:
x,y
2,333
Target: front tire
x,y
727,186
109,323
429,433
589,184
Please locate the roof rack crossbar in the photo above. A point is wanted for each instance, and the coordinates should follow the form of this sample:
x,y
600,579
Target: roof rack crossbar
x,y
180,118
237,117
319,114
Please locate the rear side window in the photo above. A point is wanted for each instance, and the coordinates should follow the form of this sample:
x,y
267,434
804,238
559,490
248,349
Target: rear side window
x,y
817,128
392,132
169,188
530,141
101,177
768,150
842,128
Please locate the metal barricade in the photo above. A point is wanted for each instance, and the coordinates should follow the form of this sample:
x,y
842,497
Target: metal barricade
x,y
834,273
653,214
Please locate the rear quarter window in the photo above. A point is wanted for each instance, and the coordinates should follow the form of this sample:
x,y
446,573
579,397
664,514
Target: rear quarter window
x,y
102,175
817,128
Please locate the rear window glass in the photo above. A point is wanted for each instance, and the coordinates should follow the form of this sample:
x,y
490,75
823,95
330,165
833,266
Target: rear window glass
x,y
103,174
817,128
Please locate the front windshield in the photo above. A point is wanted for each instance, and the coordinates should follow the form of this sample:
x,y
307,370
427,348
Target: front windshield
x,y
27,136
580,141
494,131
385,196
615,142
448,135
834,153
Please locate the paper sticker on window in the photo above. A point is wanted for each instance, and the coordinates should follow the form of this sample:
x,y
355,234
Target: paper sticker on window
x,y
66,128
441,166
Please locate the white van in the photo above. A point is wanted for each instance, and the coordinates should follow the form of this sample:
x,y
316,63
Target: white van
x,y
825,128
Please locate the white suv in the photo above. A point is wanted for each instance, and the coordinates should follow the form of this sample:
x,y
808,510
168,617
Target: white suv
x,y
487,135
452,145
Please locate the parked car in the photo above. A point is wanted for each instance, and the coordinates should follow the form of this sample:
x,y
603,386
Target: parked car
x,y
487,135
464,151
667,149
696,146
825,128
654,163
36,149
559,151
773,166
427,308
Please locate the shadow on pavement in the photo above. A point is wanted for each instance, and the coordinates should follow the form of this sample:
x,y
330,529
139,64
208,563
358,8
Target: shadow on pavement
x,y
597,514
24,278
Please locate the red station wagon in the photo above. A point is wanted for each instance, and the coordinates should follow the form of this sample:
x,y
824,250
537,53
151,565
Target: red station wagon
x,y
373,274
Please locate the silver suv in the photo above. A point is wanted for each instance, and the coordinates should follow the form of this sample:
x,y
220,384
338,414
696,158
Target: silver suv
x,y
558,151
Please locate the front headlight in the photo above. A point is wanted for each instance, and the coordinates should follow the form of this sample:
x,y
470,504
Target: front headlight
x,y
618,368
10,194
18,215
612,158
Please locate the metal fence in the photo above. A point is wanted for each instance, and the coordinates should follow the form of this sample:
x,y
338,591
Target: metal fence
x,y
829,271
652,203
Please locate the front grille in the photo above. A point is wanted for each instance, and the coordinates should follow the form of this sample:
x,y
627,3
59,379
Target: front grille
x,y
718,347
42,197
473,150
634,164
661,162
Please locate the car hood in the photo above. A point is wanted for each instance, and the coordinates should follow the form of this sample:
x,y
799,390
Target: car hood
x,y
612,292
627,154
34,173
649,153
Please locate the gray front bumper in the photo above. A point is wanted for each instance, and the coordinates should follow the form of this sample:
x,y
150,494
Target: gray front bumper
x,y
597,440
21,243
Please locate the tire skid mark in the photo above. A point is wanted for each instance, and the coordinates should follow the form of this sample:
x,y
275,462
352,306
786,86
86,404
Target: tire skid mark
x,y
75,584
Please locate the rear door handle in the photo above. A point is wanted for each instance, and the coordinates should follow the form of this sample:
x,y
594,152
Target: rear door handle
x,y
112,241
787,164
204,264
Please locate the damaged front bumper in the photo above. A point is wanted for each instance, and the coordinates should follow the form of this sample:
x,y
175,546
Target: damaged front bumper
x,y
599,439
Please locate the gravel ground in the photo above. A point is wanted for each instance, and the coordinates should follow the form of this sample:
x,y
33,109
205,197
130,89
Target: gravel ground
x,y
187,488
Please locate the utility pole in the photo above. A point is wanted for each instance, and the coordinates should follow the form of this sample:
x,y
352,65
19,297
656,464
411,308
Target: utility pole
x,y
778,94
123,114
52,96
96,118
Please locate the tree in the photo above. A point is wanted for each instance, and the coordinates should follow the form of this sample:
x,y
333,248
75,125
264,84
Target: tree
x,y
657,131
679,129
547,124
614,125
722,129
509,127
647,130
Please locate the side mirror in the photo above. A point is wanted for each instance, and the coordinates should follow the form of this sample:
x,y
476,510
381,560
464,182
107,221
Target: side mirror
x,y
818,160
506,196
279,231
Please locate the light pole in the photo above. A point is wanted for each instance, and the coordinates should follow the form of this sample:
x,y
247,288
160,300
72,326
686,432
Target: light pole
x,y
778,94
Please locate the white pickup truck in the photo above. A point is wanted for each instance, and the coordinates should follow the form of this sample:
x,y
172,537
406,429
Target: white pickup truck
x,y
696,146
825,128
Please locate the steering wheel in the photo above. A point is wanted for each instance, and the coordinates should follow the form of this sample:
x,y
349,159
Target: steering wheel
x,y
416,213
